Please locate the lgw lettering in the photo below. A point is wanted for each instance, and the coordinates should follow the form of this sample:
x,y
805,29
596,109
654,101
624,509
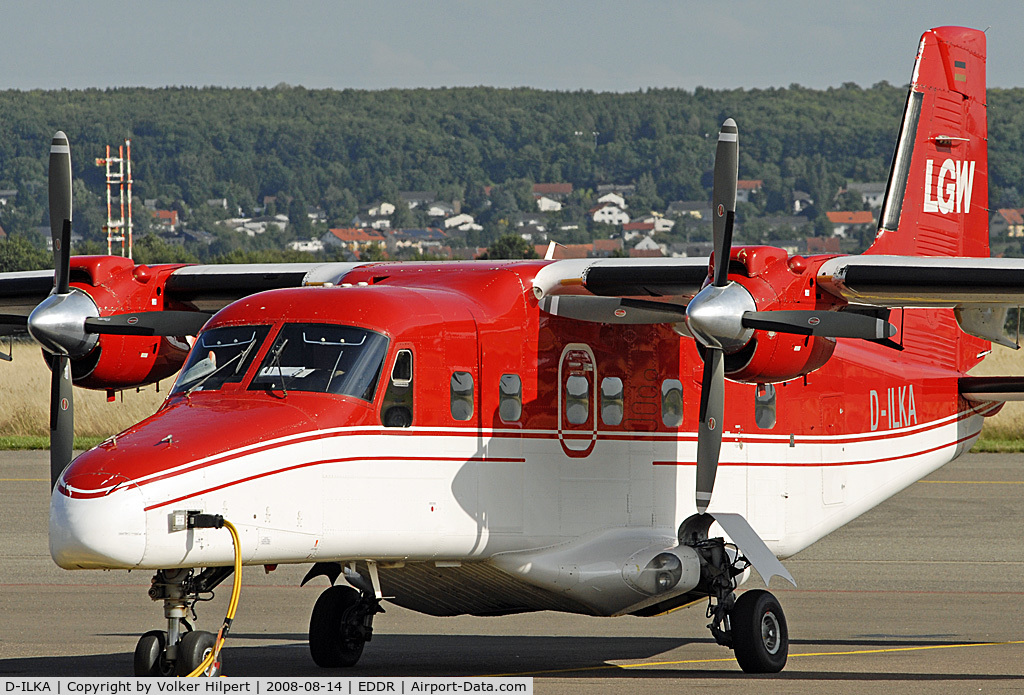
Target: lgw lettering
x,y
952,190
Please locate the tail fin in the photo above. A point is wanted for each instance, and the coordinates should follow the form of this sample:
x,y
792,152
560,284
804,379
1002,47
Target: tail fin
x,y
936,201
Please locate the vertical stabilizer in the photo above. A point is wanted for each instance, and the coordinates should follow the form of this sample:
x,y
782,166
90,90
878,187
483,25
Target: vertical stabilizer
x,y
936,201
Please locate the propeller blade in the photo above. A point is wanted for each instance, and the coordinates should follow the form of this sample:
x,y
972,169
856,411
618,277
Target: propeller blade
x,y
723,198
60,209
170,323
829,324
62,416
13,320
709,430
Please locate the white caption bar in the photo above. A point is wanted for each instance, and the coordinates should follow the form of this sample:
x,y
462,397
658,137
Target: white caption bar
x,y
264,686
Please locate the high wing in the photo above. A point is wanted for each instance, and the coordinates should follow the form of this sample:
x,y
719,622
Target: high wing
x,y
203,287
914,281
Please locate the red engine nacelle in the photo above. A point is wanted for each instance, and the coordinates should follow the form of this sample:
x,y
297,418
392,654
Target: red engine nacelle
x,y
117,285
773,357
777,281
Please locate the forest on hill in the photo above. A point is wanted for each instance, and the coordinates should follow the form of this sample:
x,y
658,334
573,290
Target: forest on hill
x,y
342,150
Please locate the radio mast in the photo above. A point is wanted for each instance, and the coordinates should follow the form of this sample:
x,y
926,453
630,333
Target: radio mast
x,y
119,175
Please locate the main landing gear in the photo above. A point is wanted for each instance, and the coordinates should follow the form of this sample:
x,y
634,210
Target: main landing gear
x,y
753,625
180,649
342,618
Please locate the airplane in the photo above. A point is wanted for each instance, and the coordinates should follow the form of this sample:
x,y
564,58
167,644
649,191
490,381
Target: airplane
x,y
597,436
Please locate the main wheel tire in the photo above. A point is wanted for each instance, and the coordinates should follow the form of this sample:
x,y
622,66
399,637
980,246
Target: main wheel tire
x,y
192,650
333,642
760,637
149,655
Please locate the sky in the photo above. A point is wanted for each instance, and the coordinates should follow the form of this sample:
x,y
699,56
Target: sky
x,y
599,45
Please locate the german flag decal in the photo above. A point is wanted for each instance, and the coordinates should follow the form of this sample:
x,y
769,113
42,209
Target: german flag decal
x,y
959,71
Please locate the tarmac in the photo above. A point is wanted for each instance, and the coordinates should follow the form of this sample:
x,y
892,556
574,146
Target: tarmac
x,y
921,594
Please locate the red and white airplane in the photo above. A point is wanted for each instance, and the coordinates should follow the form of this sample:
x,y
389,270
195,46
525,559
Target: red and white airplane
x,y
494,437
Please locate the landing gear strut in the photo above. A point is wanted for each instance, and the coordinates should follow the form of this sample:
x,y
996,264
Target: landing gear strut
x,y
179,649
753,625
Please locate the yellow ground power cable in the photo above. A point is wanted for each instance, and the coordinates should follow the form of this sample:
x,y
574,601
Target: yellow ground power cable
x,y
210,665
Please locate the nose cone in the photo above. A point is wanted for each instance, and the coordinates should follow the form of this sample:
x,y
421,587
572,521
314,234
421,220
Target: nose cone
x,y
715,316
97,521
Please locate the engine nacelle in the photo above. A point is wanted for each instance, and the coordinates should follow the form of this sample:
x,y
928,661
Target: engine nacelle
x,y
123,361
116,285
773,357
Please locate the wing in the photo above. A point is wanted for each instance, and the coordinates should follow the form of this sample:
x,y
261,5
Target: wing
x,y
202,287
915,281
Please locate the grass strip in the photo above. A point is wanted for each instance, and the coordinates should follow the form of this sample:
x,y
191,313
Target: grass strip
x,y
34,442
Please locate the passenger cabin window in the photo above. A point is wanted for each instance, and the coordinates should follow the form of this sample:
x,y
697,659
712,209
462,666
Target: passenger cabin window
x,y
323,358
510,405
397,408
611,400
462,395
672,403
220,356
577,399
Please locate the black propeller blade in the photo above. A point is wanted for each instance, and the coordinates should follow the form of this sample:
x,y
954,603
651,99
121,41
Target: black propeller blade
x,y
709,430
828,324
169,323
62,416
712,393
723,198
60,209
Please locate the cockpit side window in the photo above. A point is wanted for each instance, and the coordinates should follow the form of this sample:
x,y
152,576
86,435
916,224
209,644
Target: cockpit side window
x,y
396,410
220,356
323,358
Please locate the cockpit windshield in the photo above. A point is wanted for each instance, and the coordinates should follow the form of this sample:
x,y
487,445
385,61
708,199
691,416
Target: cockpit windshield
x,y
220,356
323,358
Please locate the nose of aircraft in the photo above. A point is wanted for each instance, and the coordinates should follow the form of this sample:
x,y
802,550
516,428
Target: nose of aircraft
x,y
97,520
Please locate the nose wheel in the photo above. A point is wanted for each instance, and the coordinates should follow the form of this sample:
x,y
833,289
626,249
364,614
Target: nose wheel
x,y
178,650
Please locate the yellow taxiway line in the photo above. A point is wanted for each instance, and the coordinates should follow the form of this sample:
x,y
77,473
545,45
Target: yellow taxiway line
x,y
651,664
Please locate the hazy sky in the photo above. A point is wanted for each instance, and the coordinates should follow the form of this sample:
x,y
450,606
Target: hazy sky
x,y
558,44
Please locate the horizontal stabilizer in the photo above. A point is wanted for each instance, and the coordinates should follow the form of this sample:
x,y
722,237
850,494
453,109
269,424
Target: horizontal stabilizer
x,y
992,388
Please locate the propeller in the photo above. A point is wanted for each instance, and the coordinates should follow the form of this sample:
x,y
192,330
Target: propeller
x,y
723,316
67,323
709,314
62,406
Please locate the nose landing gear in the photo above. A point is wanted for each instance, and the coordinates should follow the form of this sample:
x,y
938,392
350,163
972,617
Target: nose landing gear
x,y
174,652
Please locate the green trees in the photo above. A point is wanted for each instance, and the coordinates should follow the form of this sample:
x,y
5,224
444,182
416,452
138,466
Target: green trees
x,y
509,246
341,150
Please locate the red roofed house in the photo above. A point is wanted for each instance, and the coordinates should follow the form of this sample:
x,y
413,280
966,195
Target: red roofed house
x,y
604,248
1007,222
167,219
608,214
821,245
353,238
747,187
555,191
843,221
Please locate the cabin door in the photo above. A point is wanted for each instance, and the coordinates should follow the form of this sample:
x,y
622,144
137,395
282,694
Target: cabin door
x,y
577,400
